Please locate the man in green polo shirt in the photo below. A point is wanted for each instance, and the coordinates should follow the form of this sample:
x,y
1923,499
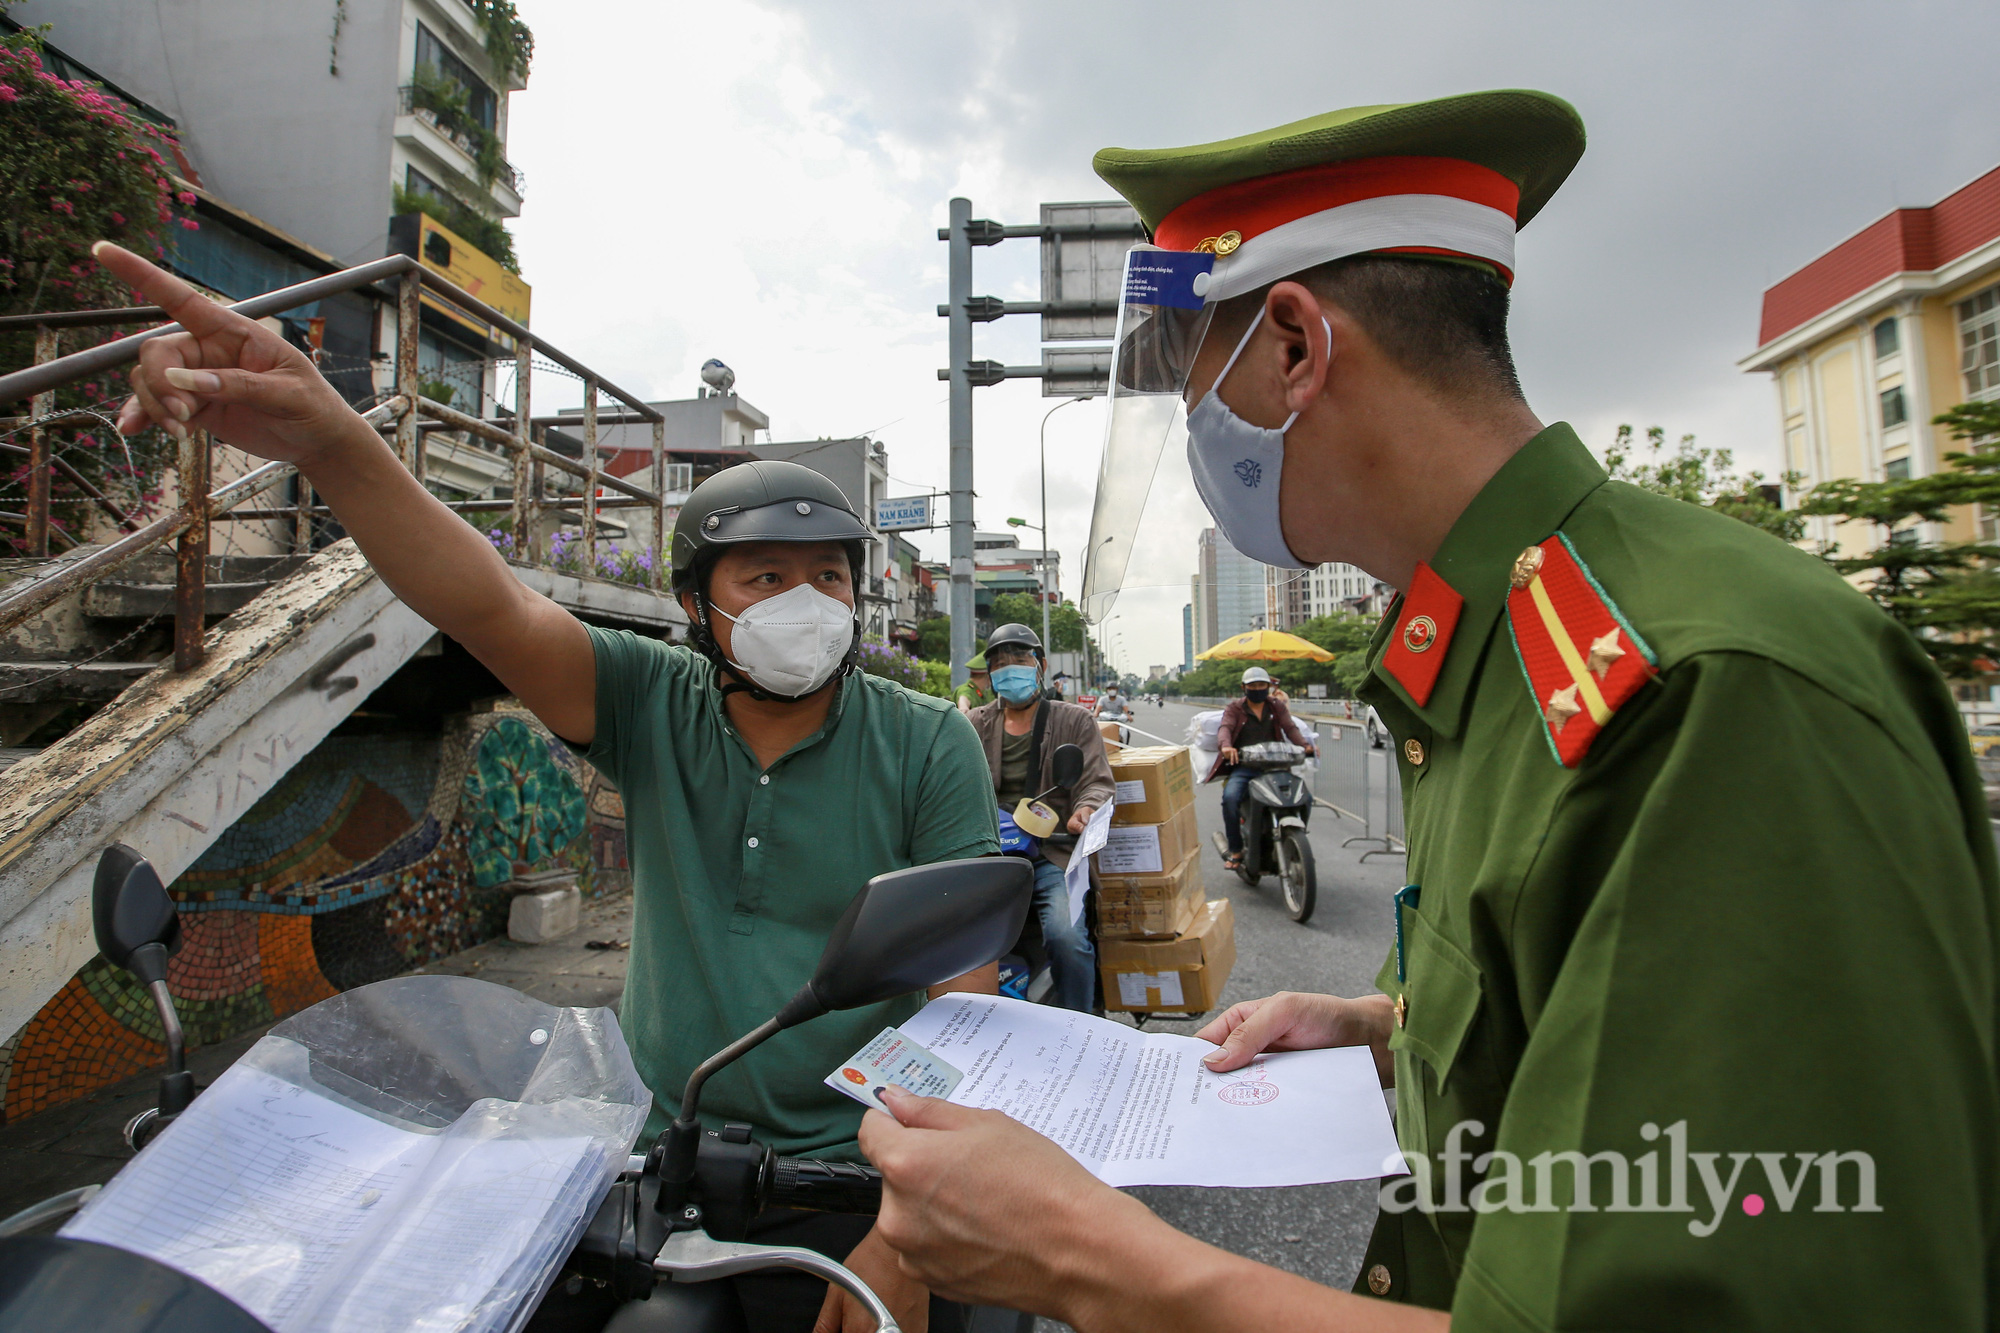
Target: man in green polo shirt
x,y
765,779
1692,1013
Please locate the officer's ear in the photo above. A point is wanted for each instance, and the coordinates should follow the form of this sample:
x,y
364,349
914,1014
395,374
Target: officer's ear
x,y
1307,338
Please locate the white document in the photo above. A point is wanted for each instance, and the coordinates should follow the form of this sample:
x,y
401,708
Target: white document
x,y
1077,877
313,1215
1139,1108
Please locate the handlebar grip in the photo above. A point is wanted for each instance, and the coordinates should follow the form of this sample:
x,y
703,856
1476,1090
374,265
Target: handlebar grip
x,y
825,1187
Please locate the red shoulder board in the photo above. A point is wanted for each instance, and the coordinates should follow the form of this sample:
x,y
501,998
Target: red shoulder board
x,y
1582,659
1422,636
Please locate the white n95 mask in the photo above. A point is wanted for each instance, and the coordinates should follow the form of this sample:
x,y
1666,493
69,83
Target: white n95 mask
x,y
1238,468
791,644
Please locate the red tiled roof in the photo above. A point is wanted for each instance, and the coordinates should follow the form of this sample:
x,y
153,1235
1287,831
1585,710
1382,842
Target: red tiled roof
x,y
1909,240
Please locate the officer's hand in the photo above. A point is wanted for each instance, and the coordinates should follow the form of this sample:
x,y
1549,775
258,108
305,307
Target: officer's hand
x,y
983,1209
1080,816
1229,754
1290,1021
225,374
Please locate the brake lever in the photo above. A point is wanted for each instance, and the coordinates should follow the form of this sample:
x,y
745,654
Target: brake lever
x,y
694,1256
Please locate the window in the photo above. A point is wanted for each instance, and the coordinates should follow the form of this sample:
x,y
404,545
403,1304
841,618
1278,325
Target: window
x,y
1979,344
1895,411
680,476
1887,341
1897,469
480,103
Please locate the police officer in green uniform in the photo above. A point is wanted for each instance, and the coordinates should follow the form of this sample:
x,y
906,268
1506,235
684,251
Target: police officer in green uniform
x,y
1691,1016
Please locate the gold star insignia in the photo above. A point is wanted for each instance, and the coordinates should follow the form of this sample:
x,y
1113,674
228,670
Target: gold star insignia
x,y
1562,707
1604,654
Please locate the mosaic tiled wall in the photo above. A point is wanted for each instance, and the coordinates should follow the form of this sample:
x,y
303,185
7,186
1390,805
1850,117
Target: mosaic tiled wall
x,y
377,853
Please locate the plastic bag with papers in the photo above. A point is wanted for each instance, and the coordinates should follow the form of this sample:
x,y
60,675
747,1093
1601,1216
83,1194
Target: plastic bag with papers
x,y
1201,734
419,1154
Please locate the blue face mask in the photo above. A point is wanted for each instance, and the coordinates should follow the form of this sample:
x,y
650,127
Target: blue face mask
x,y
1016,684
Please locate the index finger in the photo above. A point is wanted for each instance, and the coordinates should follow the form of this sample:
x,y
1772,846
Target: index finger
x,y
183,304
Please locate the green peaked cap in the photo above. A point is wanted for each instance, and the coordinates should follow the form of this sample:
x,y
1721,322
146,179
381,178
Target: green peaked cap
x,y
1531,138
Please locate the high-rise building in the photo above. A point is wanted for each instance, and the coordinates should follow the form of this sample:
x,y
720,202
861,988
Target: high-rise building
x,y
1869,341
1229,590
1187,637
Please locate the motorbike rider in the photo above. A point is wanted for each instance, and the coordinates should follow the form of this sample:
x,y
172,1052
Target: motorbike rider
x,y
978,687
1021,731
1251,720
764,776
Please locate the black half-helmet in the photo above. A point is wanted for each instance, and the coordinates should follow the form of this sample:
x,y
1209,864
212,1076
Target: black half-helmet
x,y
1019,636
762,501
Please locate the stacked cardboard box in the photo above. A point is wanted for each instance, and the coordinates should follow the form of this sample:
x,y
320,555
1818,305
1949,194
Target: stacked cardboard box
x,y
1149,871
1182,975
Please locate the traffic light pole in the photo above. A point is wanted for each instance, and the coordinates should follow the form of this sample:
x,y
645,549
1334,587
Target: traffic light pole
x,y
964,374
960,347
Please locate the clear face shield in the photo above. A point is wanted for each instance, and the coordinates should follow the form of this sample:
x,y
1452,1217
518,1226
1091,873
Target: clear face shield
x,y
1163,315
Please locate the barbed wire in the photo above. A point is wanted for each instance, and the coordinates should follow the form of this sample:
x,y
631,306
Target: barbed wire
x,y
72,667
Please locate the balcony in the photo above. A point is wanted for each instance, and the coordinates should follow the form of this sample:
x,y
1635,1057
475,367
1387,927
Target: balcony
x,y
477,145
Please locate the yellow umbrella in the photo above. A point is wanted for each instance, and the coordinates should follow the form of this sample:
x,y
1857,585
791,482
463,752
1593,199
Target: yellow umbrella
x,y
1266,645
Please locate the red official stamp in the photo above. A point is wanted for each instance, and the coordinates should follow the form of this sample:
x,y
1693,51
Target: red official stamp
x,y
1249,1093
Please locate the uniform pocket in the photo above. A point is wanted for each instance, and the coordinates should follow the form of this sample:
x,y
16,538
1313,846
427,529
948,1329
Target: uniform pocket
x,y
1440,997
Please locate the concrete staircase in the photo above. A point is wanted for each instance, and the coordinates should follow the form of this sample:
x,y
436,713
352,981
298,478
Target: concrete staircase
x,y
121,748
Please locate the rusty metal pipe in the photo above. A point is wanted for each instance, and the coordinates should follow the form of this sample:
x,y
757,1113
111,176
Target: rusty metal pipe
x,y
487,430
47,340
104,356
191,554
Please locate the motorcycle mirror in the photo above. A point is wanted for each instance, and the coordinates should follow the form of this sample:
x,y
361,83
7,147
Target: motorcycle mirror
x,y
1066,765
134,920
911,929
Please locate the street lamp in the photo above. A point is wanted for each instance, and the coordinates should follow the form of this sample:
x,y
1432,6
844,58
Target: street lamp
x,y
1048,642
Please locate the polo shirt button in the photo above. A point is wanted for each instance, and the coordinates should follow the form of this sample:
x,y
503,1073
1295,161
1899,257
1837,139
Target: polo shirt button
x,y
753,842
764,780
1378,1280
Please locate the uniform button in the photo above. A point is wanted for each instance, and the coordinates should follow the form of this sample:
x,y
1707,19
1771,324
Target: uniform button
x,y
753,842
764,780
1402,1011
1378,1280
1413,750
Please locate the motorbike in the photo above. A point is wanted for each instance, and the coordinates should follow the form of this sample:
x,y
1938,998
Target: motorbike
x,y
1276,810
1026,969
673,1218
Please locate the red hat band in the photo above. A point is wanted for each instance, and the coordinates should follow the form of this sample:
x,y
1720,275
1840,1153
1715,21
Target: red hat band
x,y
1263,229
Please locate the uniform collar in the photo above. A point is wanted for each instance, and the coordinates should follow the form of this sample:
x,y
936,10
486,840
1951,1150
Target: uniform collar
x,y
1525,501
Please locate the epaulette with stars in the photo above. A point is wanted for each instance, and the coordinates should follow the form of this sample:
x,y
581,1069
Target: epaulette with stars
x,y
1581,657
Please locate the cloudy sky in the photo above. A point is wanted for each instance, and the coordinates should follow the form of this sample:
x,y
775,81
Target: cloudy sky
x,y
762,182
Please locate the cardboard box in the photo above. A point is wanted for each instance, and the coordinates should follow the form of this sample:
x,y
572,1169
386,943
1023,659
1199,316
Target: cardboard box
x,y
1151,906
1181,975
1109,731
1136,850
1153,784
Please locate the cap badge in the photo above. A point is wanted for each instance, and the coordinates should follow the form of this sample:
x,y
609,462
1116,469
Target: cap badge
x,y
1222,245
1420,633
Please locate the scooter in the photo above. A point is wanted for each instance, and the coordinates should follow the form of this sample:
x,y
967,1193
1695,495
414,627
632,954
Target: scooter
x,y
1026,969
678,1213
1275,812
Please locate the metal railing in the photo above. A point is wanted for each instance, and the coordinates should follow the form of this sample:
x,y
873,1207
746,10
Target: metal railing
x,y
187,526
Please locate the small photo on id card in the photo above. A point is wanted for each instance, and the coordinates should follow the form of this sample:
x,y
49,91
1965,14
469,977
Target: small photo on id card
x,y
892,1060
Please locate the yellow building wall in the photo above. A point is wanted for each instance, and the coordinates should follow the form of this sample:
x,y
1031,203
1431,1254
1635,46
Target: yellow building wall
x,y
1840,419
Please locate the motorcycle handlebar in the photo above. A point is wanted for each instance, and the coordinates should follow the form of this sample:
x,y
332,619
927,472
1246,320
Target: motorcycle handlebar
x,y
823,1186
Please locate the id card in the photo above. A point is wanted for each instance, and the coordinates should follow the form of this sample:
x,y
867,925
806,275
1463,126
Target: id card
x,y
892,1060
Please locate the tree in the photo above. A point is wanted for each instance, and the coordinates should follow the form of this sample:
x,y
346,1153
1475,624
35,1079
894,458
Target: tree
x,y
934,638
1704,477
1947,593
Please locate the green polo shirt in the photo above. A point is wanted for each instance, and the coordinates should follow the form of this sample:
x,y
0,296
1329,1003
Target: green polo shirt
x,y
1758,919
739,874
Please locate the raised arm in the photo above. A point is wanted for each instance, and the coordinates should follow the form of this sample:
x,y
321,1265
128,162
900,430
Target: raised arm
x,y
248,387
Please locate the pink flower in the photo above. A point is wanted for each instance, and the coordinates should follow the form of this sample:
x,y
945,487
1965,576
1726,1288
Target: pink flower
x,y
186,197
63,206
7,94
118,219
190,224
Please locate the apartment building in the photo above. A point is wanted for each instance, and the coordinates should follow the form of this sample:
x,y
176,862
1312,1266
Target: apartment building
x,y
1870,340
